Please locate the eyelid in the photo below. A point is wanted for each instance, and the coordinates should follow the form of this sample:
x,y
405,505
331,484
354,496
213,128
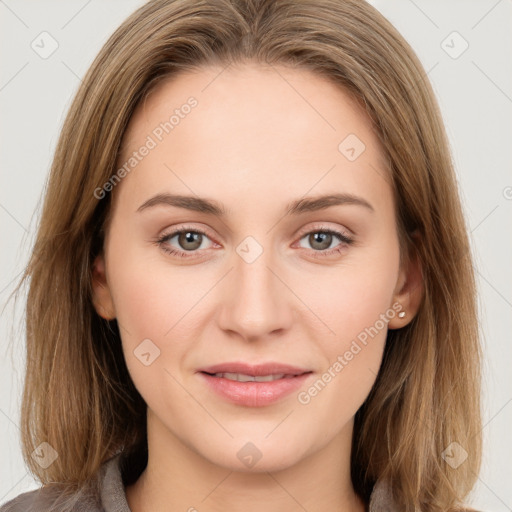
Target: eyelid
x,y
323,226
318,226
345,235
186,227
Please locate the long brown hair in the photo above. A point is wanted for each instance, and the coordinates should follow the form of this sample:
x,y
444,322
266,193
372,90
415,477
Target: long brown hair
x,y
78,395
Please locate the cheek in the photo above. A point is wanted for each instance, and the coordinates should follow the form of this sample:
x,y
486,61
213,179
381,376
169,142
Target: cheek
x,y
353,297
154,305
357,320
150,294
155,302
354,303
352,356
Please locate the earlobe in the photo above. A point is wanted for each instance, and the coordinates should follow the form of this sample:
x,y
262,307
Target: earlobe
x,y
102,299
408,294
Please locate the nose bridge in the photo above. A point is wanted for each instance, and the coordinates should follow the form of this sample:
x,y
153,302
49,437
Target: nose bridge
x,y
257,301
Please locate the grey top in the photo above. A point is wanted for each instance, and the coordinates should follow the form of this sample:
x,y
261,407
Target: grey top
x,y
110,496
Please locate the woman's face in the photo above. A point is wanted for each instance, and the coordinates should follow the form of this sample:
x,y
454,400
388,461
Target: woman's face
x,y
266,275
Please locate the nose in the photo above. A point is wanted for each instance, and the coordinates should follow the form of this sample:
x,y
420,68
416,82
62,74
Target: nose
x,y
256,303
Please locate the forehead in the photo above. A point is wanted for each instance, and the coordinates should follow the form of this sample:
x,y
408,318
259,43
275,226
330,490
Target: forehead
x,y
249,130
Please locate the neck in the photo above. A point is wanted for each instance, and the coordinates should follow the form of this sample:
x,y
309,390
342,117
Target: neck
x,y
178,478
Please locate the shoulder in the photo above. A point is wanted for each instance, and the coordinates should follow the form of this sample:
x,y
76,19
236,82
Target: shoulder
x,y
23,502
105,492
53,498
381,500
44,500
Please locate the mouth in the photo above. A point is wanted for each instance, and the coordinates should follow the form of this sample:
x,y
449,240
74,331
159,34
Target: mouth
x,y
255,370
241,377
253,385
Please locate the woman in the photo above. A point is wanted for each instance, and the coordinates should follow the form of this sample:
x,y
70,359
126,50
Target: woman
x,y
193,341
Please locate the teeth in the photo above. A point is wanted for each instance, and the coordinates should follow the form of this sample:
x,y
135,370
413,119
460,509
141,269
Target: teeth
x,y
240,377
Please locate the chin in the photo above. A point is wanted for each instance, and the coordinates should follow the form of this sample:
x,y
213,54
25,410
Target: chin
x,y
243,455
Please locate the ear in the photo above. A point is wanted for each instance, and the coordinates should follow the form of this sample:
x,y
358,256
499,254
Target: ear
x,y
408,292
102,299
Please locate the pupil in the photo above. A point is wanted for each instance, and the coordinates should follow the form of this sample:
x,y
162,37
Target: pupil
x,y
190,238
321,238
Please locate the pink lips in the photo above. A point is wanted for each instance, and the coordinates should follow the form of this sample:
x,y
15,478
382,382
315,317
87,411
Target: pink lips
x,y
252,393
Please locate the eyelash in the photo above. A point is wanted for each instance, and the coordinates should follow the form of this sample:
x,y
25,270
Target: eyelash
x,y
162,242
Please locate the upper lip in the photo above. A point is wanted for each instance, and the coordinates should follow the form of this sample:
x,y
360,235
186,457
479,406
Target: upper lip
x,y
271,368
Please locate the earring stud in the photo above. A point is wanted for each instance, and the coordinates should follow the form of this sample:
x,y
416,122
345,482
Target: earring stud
x,y
401,314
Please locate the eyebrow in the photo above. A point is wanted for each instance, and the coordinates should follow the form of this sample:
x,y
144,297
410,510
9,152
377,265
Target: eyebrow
x,y
209,206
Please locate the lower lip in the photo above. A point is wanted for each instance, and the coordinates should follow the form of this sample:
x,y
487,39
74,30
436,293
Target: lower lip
x,y
254,394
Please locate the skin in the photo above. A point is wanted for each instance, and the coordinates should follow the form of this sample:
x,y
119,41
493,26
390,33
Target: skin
x,y
259,138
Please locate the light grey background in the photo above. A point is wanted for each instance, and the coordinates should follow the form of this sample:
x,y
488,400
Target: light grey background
x,y
475,95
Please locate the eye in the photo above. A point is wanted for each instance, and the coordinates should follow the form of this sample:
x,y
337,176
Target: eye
x,y
188,241
322,239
